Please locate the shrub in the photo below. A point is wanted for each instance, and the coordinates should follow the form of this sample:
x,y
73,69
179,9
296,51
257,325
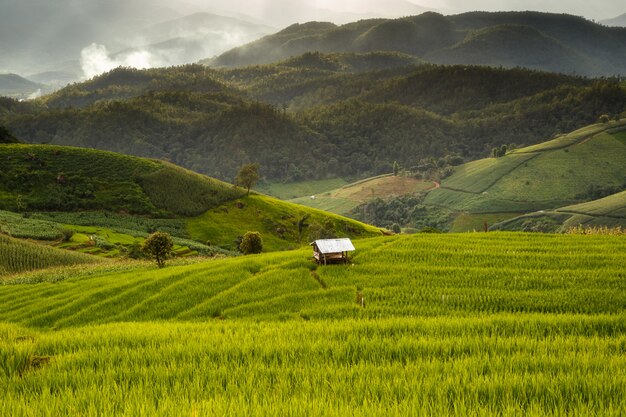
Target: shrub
x,y
158,246
67,234
251,243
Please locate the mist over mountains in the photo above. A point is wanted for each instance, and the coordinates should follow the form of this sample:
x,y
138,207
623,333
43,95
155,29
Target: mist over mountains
x,y
67,40
543,41
55,43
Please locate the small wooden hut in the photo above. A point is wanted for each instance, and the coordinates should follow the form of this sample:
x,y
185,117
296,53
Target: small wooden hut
x,y
332,250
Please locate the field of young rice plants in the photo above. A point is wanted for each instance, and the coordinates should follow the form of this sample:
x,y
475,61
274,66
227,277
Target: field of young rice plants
x,y
470,324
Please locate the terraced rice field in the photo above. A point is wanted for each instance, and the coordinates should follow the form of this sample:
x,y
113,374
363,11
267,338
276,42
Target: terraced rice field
x,y
461,324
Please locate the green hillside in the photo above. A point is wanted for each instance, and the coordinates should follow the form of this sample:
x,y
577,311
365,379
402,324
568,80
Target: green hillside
x,y
120,199
570,169
608,211
19,256
550,42
279,223
401,276
47,178
346,198
515,46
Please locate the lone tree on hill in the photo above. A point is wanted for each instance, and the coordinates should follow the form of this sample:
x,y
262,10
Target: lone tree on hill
x,y
247,176
396,168
251,243
158,246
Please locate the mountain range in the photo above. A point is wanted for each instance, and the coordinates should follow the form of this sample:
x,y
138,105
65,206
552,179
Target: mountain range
x,y
315,116
12,85
46,42
550,42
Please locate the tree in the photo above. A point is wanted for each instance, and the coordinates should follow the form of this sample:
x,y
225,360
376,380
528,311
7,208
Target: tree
x,y
396,167
6,136
158,246
251,243
248,176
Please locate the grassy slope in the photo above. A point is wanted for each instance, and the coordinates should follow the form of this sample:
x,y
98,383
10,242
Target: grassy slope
x,y
60,177
425,275
342,200
19,256
300,189
110,182
608,211
496,324
544,176
276,220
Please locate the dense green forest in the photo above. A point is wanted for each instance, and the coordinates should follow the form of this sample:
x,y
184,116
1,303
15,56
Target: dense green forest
x,y
315,116
543,41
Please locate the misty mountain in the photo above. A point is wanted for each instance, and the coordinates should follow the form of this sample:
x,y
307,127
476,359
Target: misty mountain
x,y
47,40
285,12
38,35
12,85
616,21
551,42
190,38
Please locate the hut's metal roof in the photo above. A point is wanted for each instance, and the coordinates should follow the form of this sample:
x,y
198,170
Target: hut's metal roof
x,y
334,245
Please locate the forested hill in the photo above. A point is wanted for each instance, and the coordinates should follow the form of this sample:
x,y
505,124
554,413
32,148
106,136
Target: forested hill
x,y
550,42
313,116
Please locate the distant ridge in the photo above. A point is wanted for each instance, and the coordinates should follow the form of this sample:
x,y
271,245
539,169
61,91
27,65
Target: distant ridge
x,y
13,85
616,21
550,42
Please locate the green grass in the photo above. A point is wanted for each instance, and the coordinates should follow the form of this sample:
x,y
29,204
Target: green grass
x,y
288,191
346,198
476,222
277,221
564,141
609,211
19,256
493,324
186,193
541,177
613,205
478,176
122,223
92,236
19,226
417,275
564,174
544,365
62,178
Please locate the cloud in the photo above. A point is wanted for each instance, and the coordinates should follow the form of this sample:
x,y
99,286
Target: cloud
x,y
35,94
96,59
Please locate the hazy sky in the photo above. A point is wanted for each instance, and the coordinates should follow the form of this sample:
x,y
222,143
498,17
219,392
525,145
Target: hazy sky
x,y
595,9
283,10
